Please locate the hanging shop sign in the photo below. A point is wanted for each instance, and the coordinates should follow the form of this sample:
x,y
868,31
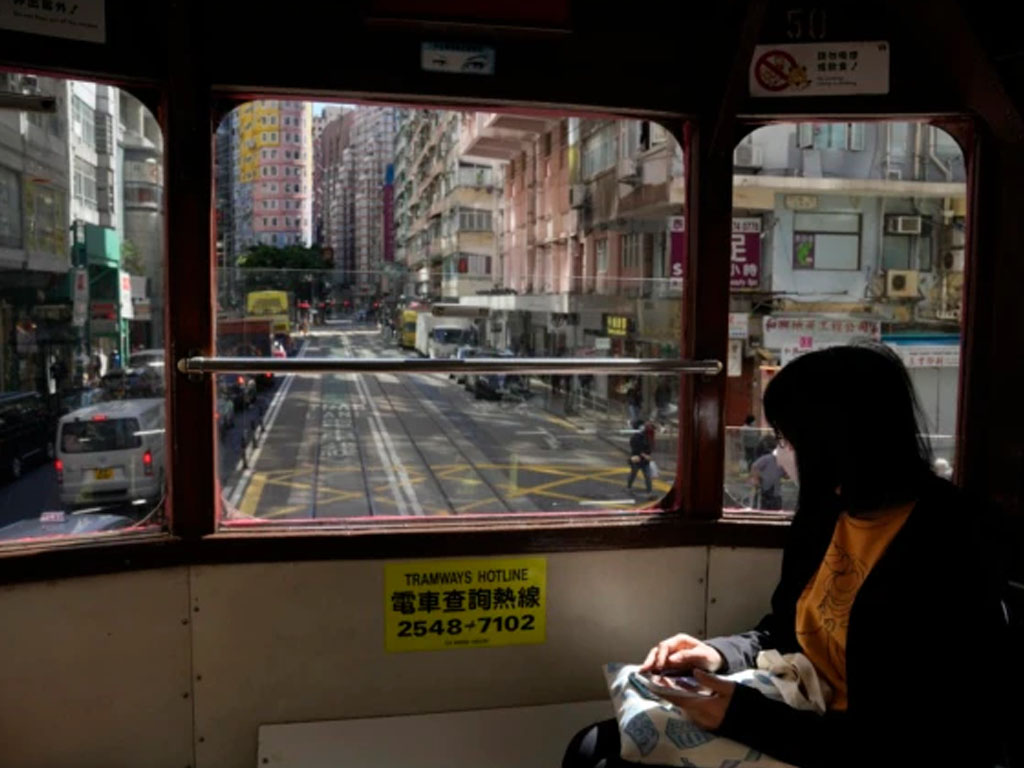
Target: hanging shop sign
x,y
793,336
745,254
677,251
739,325
734,362
80,297
928,355
434,605
618,325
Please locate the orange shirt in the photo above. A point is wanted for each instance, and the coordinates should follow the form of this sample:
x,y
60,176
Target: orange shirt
x,y
823,610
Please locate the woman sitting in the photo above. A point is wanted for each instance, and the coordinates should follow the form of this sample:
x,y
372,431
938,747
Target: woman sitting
x,y
887,586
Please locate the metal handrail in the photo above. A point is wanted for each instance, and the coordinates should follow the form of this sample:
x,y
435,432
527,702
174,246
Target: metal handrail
x,y
539,365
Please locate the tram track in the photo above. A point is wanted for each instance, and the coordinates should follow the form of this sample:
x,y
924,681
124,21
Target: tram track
x,y
415,441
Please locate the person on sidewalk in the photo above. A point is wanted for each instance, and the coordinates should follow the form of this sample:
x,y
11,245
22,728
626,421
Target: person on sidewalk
x,y
635,399
639,456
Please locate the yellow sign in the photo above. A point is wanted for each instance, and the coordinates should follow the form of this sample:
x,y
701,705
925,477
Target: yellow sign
x,y
433,605
616,325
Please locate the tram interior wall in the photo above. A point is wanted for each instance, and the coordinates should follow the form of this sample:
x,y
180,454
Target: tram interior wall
x,y
181,666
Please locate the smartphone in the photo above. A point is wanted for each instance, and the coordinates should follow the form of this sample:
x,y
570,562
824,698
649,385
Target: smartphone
x,y
668,684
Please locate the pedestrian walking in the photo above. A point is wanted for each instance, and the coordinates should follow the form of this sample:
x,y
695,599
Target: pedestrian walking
x,y
639,456
749,438
635,400
766,476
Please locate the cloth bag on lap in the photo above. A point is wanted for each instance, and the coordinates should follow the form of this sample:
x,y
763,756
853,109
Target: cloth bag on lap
x,y
654,731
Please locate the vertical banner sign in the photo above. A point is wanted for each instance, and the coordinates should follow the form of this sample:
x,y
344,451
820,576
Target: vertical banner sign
x,y
677,251
389,213
435,605
125,294
80,297
745,254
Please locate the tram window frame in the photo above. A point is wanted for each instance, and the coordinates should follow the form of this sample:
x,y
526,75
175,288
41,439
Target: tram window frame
x,y
668,511
673,526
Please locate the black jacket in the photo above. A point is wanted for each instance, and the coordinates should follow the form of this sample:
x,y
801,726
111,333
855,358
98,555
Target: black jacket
x,y
639,445
926,655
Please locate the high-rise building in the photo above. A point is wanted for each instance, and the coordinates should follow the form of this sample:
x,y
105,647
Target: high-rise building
x,y
142,212
92,153
271,198
448,207
372,145
224,175
332,177
354,169
320,121
34,247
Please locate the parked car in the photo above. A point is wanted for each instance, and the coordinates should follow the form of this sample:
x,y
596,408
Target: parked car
x,y
465,352
147,357
496,386
79,397
26,432
111,453
133,383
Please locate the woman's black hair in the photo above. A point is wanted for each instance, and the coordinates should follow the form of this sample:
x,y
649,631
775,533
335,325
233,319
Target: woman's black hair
x,y
853,419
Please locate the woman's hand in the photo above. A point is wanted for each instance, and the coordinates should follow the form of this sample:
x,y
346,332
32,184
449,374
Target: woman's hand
x,y
684,653
706,711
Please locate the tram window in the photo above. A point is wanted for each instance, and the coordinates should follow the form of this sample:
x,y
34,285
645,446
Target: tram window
x,y
868,243
81,314
417,238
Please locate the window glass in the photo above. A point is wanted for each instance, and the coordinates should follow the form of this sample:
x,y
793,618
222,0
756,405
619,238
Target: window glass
x,y
817,264
82,434
446,234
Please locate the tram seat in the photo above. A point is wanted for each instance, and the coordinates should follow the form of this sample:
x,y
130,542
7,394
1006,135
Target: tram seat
x,y
512,737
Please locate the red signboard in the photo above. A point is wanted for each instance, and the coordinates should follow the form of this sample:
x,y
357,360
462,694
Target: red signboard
x,y
677,250
745,256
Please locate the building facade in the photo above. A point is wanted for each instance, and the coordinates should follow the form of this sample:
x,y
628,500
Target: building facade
x,y
34,243
333,188
81,233
859,232
372,152
448,206
142,216
271,197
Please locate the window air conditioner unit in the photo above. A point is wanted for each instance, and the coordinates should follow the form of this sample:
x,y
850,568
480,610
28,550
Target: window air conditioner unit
x,y
747,156
901,284
903,225
577,194
953,260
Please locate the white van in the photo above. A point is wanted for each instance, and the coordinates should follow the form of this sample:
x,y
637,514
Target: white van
x,y
112,452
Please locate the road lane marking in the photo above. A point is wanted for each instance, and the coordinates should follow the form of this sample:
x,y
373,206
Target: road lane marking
x,y
252,495
386,461
272,411
561,422
389,455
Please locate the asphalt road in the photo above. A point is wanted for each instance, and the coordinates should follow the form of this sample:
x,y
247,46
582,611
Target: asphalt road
x,y
346,445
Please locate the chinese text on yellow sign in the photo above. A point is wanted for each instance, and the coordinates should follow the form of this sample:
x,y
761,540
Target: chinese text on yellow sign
x,y
445,604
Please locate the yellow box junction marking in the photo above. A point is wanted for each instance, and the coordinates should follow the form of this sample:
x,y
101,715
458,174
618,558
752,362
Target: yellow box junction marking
x,y
433,605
